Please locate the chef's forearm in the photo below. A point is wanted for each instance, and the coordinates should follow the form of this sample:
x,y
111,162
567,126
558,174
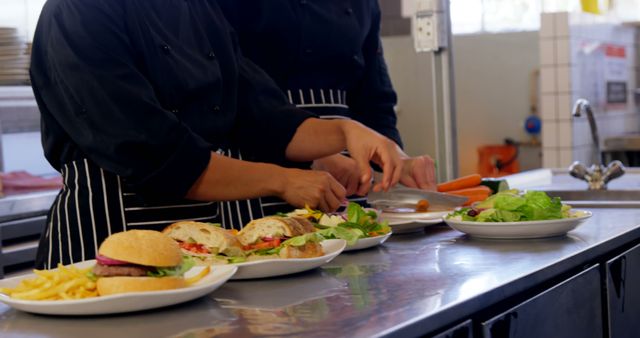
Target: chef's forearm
x,y
317,138
227,179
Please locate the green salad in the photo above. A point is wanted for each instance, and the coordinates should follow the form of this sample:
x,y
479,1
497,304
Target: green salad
x,y
355,224
514,206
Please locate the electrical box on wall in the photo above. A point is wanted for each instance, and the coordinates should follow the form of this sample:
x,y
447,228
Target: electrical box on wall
x,y
430,25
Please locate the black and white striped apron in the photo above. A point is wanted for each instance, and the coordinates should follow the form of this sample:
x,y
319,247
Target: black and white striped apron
x,y
94,204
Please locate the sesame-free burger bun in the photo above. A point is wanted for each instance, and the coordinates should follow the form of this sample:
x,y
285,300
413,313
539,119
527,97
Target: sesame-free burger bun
x,y
143,247
114,285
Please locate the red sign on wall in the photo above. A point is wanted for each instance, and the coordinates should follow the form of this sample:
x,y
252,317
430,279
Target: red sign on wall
x,y
615,51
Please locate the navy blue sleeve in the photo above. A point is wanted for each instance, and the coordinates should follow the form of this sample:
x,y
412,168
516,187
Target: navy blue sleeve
x,y
374,98
86,73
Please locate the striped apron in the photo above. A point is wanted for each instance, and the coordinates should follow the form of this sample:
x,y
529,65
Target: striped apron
x,y
94,204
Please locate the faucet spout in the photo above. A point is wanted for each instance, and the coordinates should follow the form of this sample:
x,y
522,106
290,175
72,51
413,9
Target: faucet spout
x,y
597,176
582,106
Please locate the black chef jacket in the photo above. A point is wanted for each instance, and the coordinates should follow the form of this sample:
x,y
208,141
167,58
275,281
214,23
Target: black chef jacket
x,y
134,96
326,55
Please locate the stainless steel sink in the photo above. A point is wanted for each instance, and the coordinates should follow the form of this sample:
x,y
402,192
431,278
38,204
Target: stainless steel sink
x,y
599,198
623,192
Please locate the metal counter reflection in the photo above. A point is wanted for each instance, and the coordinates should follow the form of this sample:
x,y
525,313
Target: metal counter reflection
x,y
166,322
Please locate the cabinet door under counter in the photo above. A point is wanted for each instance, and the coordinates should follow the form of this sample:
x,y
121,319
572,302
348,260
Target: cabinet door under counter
x,y
623,294
570,309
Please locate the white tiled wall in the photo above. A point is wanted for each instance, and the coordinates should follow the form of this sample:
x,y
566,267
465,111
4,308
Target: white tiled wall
x,y
572,66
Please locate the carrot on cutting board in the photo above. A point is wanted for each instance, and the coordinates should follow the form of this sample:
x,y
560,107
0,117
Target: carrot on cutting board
x,y
475,194
460,183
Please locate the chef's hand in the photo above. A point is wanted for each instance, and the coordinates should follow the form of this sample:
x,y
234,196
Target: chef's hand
x,y
317,189
419,172
366,145
342,168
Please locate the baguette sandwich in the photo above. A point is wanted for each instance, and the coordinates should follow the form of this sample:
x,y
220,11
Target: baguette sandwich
x,y
206,243
280,237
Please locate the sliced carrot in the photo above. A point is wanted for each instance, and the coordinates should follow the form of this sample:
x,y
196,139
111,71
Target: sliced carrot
x,y
481,189
475,194
422,206
460,183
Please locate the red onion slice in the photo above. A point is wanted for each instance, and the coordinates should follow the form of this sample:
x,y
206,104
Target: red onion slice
x,y
109,261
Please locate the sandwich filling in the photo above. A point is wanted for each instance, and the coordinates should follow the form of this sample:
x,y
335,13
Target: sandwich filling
x,y
108,267
273,245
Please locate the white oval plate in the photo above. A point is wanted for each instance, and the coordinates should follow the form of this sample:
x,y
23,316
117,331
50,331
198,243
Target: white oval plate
x,y
279,267
126,302
365,243
520,230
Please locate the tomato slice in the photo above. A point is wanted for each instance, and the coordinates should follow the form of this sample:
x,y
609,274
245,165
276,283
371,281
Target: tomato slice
x,y
194,247
265,244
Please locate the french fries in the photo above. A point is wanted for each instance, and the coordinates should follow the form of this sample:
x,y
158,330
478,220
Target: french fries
x,y
199,276
65,283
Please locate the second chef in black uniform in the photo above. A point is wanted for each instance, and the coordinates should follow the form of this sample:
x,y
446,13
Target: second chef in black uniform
x,y
326,56
144,103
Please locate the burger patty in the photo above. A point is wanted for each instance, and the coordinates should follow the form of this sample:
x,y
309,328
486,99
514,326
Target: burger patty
x,y
119,270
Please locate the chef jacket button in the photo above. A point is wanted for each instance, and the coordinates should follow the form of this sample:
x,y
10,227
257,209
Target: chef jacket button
x,y
166,49
216,108
349,11
356,57
211,55
174,111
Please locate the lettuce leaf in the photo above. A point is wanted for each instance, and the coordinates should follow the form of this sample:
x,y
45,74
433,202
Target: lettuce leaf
x,y
234,260
351,235
365,221
511,206
302,239
176,271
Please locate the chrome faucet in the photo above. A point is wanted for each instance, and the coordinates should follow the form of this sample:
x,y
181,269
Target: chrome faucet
x,y
597,176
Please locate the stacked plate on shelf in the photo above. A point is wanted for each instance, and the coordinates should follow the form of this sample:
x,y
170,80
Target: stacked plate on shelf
x,y
14,58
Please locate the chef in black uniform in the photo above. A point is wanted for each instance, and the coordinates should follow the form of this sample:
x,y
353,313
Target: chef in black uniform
x,y
326,56
148,109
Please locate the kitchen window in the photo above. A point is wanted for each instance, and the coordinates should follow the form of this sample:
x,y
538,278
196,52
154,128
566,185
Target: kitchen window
x,y
492,16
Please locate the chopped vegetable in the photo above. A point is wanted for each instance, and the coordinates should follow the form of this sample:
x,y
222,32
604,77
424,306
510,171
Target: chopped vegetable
x,y
460,183
422,206
474,194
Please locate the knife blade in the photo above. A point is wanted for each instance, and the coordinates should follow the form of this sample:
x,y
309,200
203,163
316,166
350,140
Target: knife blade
x,y
404,199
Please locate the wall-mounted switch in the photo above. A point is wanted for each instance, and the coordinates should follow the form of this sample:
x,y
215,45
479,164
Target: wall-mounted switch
x,y
430,25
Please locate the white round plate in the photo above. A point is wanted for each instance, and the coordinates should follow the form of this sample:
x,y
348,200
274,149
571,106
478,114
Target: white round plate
x,y
279,267
365,243
520,230
126,302
412,222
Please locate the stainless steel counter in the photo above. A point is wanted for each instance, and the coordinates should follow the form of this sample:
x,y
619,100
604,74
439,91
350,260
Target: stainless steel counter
x,y
414,284
26,204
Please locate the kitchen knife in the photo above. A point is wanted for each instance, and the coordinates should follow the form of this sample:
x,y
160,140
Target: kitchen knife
x,y
403,199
